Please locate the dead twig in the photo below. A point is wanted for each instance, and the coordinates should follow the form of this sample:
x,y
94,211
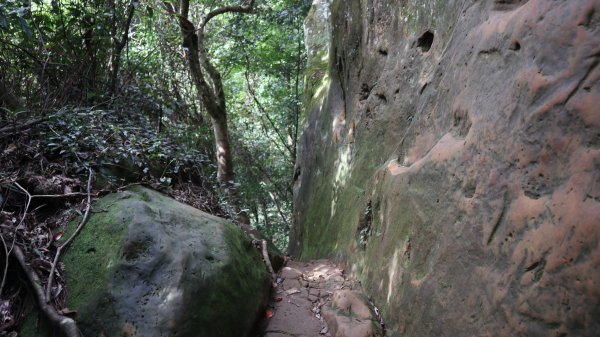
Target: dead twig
x,y
17,127
66,324
26,205
9,130
70,239
49,196
7,252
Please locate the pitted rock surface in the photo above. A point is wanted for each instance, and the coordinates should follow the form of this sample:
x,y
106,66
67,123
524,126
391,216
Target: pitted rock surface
x,y
451,156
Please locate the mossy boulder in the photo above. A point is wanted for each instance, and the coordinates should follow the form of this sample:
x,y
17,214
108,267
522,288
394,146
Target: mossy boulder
x,y
147,265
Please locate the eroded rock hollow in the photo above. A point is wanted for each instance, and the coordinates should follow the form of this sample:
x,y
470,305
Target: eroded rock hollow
x,y
451,158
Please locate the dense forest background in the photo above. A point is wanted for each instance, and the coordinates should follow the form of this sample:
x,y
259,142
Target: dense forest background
x,y
110,85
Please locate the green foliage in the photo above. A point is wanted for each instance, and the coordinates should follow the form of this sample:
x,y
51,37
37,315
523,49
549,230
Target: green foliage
x,y
59,53
99,138
263,58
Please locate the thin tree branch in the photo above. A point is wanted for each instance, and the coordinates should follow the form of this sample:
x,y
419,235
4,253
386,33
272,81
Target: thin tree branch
x,y
50,196
266,114
68,242
9,130
26,205
273,197
7,252
265,255
130,11
169,8
213,74
18,127
247,8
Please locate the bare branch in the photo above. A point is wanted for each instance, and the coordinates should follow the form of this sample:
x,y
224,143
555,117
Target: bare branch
x,y
50,196
27,205
265,255
7,252
10,130
266,113
247,8
169,7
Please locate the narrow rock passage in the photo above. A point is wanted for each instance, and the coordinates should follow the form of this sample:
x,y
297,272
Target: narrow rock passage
x,y
316,298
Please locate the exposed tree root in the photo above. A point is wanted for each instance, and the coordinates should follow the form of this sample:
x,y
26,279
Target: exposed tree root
x,y
66,324
265,255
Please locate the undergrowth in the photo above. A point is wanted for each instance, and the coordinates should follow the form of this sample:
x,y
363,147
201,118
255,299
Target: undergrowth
x,y
49,159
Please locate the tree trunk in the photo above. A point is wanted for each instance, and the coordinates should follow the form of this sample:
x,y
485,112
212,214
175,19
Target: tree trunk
x,y
119,45
225,173
210,89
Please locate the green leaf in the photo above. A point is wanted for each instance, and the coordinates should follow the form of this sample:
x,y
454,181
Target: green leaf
x,y
24,26
150,11
3,20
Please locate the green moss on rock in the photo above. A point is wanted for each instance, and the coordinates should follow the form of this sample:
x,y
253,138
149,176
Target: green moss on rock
x,y
147,265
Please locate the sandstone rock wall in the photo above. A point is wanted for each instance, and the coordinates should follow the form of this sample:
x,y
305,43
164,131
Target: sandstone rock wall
x,y
451,157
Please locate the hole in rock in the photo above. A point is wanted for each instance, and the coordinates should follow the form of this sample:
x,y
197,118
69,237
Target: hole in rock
x,y
381,97
365,91
508,5
425,41
363,230
515,46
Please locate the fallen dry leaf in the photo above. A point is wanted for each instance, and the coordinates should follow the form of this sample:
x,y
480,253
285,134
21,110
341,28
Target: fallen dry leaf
x,y
57,236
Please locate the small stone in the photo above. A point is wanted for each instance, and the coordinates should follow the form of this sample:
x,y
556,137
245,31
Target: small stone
x,y
292,291
290,273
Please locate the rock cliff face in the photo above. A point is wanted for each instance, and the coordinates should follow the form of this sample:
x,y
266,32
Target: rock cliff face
x,y
451,157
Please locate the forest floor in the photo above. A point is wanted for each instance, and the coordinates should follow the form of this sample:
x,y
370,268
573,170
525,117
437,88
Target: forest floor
x,y
305,292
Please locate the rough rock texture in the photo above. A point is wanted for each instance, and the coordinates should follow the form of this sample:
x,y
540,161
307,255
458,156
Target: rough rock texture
x,y
147,265
316,298
451,157
349,315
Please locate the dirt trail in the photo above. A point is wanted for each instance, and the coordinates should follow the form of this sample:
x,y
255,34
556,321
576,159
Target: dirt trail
x,y
316,298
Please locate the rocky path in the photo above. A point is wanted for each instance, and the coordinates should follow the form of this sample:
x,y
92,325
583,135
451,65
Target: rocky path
x,y
316,298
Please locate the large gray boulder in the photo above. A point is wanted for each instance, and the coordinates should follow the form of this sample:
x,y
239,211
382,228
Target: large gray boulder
x,y
147,265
